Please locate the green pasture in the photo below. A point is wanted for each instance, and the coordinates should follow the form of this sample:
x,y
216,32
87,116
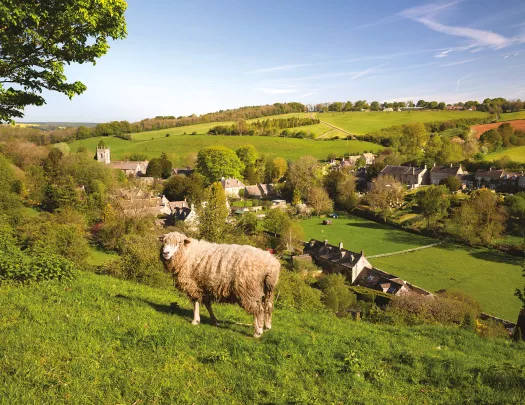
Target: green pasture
x,y
516,154
181,145
512,116
99,340
490,277
359,234
189,129
360,123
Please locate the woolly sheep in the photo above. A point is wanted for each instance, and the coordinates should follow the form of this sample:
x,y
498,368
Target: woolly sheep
x,y
209,272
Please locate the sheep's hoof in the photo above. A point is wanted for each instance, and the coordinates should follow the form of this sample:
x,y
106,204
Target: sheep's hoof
x,y
257,335
215,322
195,322
268,327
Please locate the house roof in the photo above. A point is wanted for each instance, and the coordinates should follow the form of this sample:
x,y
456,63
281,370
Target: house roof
x,y
124,165
402,170
230,183
178,204
332,253
493,174
450,170
253,190
368,155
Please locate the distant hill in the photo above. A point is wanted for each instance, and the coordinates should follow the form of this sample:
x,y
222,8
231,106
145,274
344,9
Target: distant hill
x,y
56,125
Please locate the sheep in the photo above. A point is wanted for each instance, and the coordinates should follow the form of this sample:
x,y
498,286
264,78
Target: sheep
x,y
210,272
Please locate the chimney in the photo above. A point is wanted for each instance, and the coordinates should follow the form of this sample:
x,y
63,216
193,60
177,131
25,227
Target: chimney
x,y
434,165
451,165
340,245
425,167
326,242
343,253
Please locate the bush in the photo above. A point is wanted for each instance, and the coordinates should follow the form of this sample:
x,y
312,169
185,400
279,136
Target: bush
x,y
294,291
336,297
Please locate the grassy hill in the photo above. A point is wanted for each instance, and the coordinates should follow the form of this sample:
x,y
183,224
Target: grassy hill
x,y
516,154
360,123
180,145
102,340
490,277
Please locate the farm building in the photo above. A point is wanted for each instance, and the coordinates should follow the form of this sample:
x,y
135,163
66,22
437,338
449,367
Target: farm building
x,y
232,187
260,190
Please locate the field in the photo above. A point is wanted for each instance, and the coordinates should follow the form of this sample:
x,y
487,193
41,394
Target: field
x,y
361,234
181,145
490,277
200,129
480,129
513,116
99,340
516,154
360,123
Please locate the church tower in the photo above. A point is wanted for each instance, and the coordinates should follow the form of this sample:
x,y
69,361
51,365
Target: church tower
x,y
103,155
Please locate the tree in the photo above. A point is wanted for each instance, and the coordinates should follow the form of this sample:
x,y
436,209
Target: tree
x,y
374,106
516,204
276,169
38,38
247,154
414,138
434,202
215,162
506,132
340,185
276,221
521,294
480,219
292,236
303,174
491,139
441,106
212,213
319,200
452,183
386,193
296,198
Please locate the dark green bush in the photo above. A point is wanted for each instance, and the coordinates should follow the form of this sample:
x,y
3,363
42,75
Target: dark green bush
x,y
294,291
336,297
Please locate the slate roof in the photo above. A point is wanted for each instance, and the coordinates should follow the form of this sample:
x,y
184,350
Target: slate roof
x,y
493,174
402,170
452,171
230,183
124,165
332,253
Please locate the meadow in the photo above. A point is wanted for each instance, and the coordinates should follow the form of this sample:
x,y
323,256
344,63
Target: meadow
x,y
490,277
361,123
181,145
516,154
101,340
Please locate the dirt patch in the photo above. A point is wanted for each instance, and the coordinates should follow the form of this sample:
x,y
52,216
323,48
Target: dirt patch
x,y
479,129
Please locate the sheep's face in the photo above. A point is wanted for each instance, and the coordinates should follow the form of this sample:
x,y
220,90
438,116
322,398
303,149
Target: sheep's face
x,y
172,242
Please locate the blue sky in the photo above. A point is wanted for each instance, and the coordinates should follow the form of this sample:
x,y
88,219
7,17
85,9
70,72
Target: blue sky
x,y
196,56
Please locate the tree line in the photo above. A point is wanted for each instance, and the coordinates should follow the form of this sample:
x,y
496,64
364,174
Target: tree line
x,y
269,127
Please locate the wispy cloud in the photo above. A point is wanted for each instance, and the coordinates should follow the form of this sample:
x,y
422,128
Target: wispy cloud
x,y
278,68
426,15
461,62
460,80
443,54
277,91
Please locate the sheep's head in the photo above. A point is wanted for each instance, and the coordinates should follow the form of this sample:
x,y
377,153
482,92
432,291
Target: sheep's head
x,y
172,242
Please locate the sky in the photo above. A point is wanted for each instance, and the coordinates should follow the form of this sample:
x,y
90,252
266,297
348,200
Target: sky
x,y
185,57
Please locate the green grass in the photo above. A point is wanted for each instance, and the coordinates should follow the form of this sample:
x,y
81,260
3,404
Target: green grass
x,y
98,257
361,234
360,123
199,129
516,154
180,145
99,340
512,116
490,277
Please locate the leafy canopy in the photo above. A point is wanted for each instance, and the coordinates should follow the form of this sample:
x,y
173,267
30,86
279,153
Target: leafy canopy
x,y
38,38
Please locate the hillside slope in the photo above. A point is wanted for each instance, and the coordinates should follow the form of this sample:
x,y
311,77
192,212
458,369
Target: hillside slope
x,y
102,340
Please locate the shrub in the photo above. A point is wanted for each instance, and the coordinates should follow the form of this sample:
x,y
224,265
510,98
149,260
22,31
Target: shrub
x,y
336,297
294,291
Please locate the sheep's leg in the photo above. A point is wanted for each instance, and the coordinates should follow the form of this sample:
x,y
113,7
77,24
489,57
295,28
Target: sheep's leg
x,y
268,308
207,304
196,313
258,320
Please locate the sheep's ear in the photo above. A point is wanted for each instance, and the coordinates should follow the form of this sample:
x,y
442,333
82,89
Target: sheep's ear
x,y
187,241
161,238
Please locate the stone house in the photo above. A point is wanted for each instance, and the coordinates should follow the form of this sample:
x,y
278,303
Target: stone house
x,y
413,177
130,168
259,190
232,187
489,178
369,158
438,173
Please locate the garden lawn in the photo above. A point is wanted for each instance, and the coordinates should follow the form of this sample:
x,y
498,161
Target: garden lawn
x,y
360,123
516,154
98,340
181,145
490,277
359,234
